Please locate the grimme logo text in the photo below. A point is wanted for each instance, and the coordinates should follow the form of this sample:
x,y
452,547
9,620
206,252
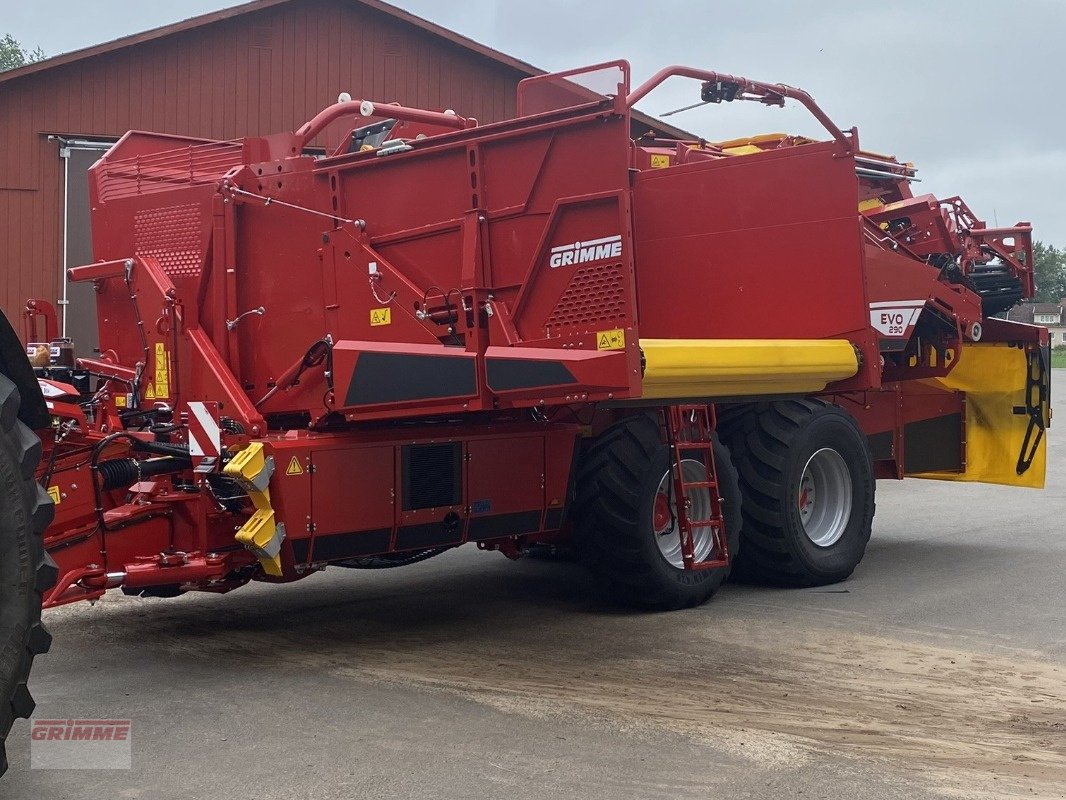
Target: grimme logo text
x,y
582,252
80,730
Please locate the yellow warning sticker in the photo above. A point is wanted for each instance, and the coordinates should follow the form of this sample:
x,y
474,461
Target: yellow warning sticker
x,y
162,371
120,401
381,316
611,340
295,467
53,492
149,393
660,161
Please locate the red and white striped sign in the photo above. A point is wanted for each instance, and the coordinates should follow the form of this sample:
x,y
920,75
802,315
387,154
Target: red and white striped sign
x,y
205,436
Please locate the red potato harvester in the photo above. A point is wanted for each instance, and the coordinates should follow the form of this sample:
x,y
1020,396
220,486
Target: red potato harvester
x,y
671,357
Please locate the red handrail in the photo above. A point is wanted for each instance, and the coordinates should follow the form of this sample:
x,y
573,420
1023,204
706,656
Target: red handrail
x,y
769,93
366,108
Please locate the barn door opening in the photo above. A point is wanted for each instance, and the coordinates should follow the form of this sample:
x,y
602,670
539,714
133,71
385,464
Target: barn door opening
x,y
77,313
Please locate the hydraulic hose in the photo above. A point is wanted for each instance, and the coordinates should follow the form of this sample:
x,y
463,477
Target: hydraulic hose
x,y
391,560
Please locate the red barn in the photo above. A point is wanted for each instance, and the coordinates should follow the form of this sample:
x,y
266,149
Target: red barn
x,y
257,68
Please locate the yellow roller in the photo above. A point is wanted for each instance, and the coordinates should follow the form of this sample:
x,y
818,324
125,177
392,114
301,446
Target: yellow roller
x,y
688,368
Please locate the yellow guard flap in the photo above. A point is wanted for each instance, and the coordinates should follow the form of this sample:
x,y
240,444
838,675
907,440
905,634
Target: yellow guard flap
x,y
1006,414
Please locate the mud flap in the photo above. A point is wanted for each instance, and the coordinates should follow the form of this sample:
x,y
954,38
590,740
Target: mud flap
x,y
1008,410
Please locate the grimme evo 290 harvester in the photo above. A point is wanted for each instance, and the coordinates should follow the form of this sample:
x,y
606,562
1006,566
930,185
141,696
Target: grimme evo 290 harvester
x,y
670,356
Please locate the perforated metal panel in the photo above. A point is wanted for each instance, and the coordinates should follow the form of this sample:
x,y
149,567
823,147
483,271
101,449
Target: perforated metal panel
x,y
595,294
172,236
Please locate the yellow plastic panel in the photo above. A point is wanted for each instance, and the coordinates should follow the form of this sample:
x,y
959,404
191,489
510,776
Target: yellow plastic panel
x,y
260,535
708,368
743,150
993,376
758,138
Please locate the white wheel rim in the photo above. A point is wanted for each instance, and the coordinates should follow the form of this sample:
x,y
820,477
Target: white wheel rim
x,y
824,498
665,527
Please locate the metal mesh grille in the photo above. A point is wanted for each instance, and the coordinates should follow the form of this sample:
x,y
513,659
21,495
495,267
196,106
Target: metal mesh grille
x,y
171,235
431,476
595,294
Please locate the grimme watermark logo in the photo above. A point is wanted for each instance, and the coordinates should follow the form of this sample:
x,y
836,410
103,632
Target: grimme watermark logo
x,y
80,744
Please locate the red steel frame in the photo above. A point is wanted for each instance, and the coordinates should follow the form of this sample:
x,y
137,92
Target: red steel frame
x,y
36,312
340,310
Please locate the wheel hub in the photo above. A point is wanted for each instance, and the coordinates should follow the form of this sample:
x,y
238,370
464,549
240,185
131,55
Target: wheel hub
x,y
663,513
664,520
824,497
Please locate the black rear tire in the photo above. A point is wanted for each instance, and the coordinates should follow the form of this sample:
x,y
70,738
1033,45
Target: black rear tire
x,y
26,571
772,443
617,482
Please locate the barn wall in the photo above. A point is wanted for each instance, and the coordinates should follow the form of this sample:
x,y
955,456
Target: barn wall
x,y
264,71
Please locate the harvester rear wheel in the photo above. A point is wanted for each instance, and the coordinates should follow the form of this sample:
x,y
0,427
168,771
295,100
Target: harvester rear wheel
x,y
26,571
624,531
807,480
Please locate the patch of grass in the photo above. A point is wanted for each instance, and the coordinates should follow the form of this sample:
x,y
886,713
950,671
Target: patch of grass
x,y
1058,358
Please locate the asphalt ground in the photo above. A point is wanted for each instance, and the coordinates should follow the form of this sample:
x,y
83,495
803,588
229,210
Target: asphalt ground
x,y
937,670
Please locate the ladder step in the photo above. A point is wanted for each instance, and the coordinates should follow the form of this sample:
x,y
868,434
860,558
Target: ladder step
x,y
710,564
699,485
690,429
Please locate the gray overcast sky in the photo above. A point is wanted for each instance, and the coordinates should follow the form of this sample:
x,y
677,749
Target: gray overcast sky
x,y
971,92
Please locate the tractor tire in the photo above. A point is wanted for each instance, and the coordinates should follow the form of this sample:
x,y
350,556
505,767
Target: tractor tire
x,y
26,571
619,482
806,476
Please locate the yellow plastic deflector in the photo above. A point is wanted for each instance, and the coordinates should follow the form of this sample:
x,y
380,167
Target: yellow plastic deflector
x,y
689,368
994,379
261,533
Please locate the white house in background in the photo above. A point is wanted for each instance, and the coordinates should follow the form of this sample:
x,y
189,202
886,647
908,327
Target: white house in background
x,y
1051,315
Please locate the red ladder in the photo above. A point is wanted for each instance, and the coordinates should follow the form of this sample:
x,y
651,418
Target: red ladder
x,y
689,430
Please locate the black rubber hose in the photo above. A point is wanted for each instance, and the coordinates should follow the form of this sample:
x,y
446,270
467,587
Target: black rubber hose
x,y
119,473
392,560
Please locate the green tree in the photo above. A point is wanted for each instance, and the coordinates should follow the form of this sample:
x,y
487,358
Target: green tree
x,y
14,55
1049,267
